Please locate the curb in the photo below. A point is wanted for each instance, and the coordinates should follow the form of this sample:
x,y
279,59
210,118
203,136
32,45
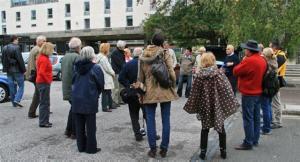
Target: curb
x,y
291,112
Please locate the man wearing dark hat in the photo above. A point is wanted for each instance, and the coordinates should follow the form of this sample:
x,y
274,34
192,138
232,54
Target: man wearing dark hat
x,y
250,74
13,65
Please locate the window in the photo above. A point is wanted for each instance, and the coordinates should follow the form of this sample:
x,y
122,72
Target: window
x,y
33,25
3,16
129,21
107,22
107,6
129,6
86,23
18,16
50,13
4,31
33,14
18,26
50,24
86,8
67,10
68,25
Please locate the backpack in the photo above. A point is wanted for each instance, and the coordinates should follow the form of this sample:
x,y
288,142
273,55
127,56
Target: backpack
x,y
270,83
160,72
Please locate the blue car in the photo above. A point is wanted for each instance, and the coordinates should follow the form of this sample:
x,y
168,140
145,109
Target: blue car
x,y
4,90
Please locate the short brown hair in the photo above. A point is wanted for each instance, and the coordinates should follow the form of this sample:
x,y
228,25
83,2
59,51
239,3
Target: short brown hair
x,y
104,48
208,59
47,48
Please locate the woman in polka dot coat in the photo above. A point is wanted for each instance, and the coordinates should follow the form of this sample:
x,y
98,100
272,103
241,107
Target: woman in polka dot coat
x,y
213,101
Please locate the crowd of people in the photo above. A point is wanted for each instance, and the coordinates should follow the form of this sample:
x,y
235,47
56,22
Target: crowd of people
x,y
122,77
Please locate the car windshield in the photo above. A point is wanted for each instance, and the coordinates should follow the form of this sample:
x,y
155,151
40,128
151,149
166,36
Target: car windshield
x,y
53,59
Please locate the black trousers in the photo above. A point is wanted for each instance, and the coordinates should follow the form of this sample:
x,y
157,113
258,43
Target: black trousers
x,y
233,82
71,122
204,139
86,132
35,102
134,111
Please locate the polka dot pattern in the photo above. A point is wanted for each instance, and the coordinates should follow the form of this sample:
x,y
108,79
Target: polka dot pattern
x,y
211,98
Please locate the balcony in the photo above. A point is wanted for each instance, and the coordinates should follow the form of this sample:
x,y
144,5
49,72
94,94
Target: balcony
x,y
107,11
129,9
3,20
68,14
15,3
86,13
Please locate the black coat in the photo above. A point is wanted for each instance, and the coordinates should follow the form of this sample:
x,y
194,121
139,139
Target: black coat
x,y
117,60
87,85
12,59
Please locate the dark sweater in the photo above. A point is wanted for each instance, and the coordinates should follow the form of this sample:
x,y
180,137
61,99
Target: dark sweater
x,y
128,74
117,60
229,70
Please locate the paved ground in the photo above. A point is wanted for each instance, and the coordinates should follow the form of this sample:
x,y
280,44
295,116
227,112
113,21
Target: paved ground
x,y
22,139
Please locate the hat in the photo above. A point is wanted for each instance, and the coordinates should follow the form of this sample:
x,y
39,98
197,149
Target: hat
x,y
251,45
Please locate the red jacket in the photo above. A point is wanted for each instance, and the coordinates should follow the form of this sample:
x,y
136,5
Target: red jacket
x,y
44,69
250,74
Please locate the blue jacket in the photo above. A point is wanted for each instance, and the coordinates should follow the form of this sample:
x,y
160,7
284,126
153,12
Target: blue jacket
x,y
229,70
129,72
87,85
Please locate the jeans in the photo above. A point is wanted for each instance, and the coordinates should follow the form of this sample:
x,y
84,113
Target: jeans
x,y
134,112
151,129
16,86
44,108
106,99
35,102
251,119
267,113
188,86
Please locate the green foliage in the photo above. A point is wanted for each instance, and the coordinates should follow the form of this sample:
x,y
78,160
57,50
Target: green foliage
x,y
189,24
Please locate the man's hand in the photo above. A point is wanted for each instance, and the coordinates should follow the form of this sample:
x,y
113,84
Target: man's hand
x,y
229,64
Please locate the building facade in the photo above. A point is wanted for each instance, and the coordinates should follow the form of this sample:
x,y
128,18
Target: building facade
x,y
91,20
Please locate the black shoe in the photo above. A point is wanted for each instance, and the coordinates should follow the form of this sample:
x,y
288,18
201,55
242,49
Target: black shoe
x,y
113,107
97,150
17,104
163,152
243,147
139,138
202,154
72,136
46,125
50,112
276,126
157,137
152,153
223,153
32,116
179,95
107,110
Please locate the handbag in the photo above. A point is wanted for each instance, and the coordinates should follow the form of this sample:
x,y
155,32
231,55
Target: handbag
x,y
128,94
32,76
282,82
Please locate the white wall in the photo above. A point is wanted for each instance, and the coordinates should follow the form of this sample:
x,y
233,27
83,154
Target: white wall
x,y
118,15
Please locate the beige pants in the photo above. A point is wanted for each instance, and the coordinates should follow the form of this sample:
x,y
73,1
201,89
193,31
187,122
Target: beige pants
x,y
276,110
116,91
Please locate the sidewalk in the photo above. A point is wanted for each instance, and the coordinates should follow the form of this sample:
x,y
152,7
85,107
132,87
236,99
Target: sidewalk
x,y
282,145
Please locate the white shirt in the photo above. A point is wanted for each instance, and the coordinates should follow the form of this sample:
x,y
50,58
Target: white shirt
x,y
173,56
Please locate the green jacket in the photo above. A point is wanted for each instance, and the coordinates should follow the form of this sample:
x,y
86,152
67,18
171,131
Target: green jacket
x,y
32,60
67,73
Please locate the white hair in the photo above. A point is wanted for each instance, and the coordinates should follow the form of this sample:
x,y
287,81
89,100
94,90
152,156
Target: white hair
x,y
87,53
121,44
137,52
74,43
41,37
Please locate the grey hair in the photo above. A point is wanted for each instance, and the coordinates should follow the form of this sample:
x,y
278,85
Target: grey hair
x,y
75,42
137,52
121,44
41,37
87,53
